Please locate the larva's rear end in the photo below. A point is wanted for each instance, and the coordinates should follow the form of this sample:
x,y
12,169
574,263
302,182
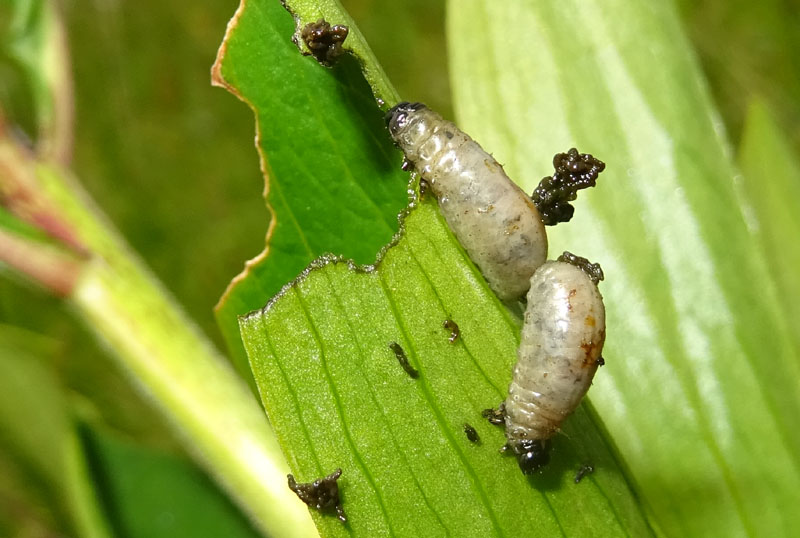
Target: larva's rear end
x,y
493,219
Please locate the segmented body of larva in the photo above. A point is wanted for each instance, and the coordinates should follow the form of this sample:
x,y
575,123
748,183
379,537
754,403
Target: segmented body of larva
x,y
494,220
562,338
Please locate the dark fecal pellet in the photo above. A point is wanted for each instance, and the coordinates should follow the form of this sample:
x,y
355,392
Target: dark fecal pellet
x,y
495,416
583,471
423,188
403,360
472,434
324,41
452,326
322,493
573,171
594,270
601,361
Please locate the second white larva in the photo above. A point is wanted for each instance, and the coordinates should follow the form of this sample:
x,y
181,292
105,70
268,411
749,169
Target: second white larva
x,y
493,219
559,352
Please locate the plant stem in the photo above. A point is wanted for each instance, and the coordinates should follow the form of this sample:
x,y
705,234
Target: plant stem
x,y
212,410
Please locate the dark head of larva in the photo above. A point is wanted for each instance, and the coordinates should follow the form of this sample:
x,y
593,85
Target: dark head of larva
x,y
398,115
532,455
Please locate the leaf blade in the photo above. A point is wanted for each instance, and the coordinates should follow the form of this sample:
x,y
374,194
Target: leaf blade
x,y
337,397
771,177
670,234
323,196
40,437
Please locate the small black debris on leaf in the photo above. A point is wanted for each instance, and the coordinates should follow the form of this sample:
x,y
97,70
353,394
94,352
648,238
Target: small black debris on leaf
x,y
583,471
324,41
452,326
322,493
472,434
403,360
495,416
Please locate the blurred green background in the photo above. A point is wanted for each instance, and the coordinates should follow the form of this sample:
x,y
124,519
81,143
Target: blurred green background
x,y
172,163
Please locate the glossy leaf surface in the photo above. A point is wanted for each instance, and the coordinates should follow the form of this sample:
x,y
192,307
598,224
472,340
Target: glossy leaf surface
x,y
337,397
334,183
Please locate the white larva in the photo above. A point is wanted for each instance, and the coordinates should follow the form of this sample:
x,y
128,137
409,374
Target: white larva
x,y
502,231
559,352
494,220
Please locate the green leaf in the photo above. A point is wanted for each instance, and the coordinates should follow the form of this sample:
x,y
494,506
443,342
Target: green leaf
x,y
33,45
23,29
420,23
37,433
748,49
149,493
12,224
337,397
333,178
771,179
700,391
401,443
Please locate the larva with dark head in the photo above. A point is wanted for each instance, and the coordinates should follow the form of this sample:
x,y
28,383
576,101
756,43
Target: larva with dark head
x,y
561,342
493,219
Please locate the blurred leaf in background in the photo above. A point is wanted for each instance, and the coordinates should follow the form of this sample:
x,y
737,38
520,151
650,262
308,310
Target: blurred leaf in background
x,y
771,171
149,493
748,50
167,156
46,485
169,159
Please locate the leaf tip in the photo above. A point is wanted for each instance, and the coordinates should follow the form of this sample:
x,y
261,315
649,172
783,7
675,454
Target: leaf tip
x,y
217,78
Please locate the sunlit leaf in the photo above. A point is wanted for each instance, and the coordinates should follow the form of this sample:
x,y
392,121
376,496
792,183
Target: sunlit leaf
x,y
337,397
334,183
700,391
772,184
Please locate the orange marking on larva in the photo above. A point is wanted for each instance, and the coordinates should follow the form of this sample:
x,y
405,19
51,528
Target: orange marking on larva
x,y
588,349
570,295
557,339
